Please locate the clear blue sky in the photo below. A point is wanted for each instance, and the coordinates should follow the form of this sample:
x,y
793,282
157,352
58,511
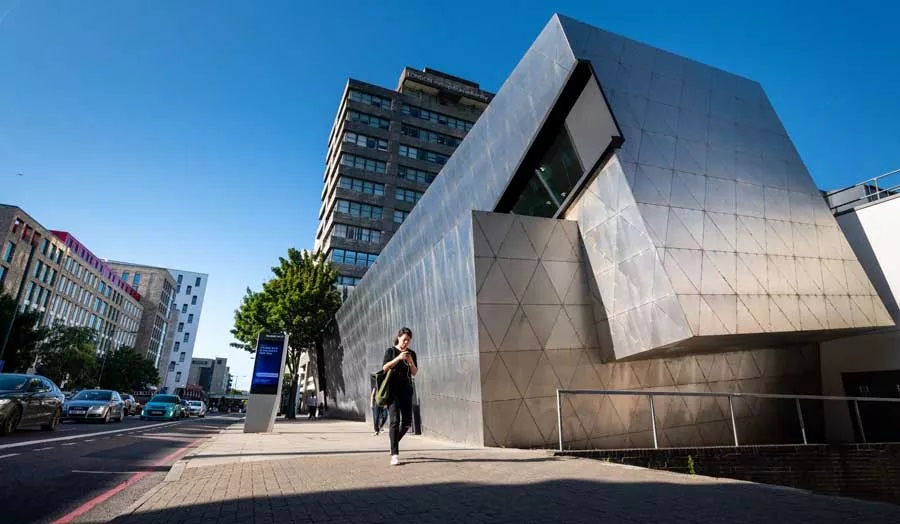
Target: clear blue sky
x,y
193,134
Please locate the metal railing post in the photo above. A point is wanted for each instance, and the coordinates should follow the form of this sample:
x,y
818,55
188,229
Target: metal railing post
x,y
653,422
733,424
559,420
862,432
800,417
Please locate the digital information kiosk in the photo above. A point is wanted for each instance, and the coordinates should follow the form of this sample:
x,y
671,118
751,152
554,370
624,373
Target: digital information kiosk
x,y
265,386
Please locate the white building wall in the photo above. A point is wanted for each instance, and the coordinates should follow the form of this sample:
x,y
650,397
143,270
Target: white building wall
x,y
873,234
188,314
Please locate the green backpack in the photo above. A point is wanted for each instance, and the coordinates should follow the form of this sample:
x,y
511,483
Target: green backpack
x,y
383,393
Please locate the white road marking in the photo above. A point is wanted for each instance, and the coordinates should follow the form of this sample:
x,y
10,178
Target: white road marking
x,y
105,472
9,455
43,449
68,443
80,436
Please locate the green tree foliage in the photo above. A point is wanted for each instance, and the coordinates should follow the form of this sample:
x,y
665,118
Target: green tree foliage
x,y
298,300
68,356
26,335
124,369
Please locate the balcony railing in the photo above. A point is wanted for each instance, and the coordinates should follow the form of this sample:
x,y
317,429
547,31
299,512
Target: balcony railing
x,y
730,396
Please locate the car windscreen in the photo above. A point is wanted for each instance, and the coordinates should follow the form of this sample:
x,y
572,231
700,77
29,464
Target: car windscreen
x,y
89,394
13,382
195,403
165,399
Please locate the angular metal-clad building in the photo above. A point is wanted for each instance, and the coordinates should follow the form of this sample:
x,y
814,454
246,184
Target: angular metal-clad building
x,y
619,217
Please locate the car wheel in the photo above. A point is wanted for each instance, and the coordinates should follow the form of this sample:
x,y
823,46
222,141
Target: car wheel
x,y
121,416
106,417
11,422
54,421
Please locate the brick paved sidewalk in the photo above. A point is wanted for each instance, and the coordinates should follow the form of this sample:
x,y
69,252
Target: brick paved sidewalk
x,y
330,472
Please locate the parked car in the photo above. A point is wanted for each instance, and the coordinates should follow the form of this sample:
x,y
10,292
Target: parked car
x,y
185,409
131,407
95,404
165,407
27,400
197,408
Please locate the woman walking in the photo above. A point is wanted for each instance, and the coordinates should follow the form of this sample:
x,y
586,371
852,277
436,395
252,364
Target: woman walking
x,y
403,361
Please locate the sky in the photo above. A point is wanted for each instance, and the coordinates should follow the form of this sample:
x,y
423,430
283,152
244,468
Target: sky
x,y
193,134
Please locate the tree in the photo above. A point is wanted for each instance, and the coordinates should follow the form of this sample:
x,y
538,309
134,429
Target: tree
x,y
124,369
26,334
298,300
68,356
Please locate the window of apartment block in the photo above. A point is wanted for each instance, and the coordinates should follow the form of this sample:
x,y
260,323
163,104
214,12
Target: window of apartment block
x,y
356,258
407,195
177,345
180,327
194,300
190,318
184,308
358,209
372,100
365,141
366,164
422,154
361,234
416,175
187,337
137,280
188,290
178,289
344,280
197,282
367,119
172,366
361,186
400,216
181,356
9,252
180,277
178,377
3,271
433,116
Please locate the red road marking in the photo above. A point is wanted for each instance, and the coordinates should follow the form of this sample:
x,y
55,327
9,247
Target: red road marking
x,y
94,502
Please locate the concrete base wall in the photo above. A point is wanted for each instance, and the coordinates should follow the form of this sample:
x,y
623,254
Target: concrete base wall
x,y
864,471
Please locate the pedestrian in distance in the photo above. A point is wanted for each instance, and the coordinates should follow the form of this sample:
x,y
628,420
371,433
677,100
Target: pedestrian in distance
x,y
379,414
402,360
312,403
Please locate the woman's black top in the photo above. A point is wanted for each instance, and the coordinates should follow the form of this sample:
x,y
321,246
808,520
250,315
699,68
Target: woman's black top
x,y
401,378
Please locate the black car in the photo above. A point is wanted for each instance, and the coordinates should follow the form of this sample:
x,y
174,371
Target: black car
x,y
27,400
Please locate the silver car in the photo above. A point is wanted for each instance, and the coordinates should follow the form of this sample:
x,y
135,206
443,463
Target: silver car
x,y
197,408
95,404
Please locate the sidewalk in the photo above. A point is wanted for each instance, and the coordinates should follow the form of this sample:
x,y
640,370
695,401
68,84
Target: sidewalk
x,y
334,471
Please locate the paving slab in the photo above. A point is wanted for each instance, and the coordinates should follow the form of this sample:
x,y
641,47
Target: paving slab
x,y
328,471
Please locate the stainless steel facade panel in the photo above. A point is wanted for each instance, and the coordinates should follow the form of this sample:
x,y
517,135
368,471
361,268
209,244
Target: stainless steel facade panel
x,y
705,224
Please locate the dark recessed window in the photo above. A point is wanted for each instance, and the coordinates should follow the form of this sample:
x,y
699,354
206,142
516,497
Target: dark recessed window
x,y
552,179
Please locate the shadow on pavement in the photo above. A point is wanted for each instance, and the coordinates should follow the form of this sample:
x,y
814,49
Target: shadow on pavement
x,y
565,500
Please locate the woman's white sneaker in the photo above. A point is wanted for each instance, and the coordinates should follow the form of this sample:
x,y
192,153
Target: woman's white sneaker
x,y
395,460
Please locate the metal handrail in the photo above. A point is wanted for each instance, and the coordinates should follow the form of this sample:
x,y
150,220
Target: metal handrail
x,y
730,396
879,192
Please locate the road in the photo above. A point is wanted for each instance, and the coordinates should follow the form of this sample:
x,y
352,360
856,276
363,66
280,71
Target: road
x,y
89,472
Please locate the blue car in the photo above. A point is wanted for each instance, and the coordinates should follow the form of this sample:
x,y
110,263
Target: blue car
x,y
162,407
